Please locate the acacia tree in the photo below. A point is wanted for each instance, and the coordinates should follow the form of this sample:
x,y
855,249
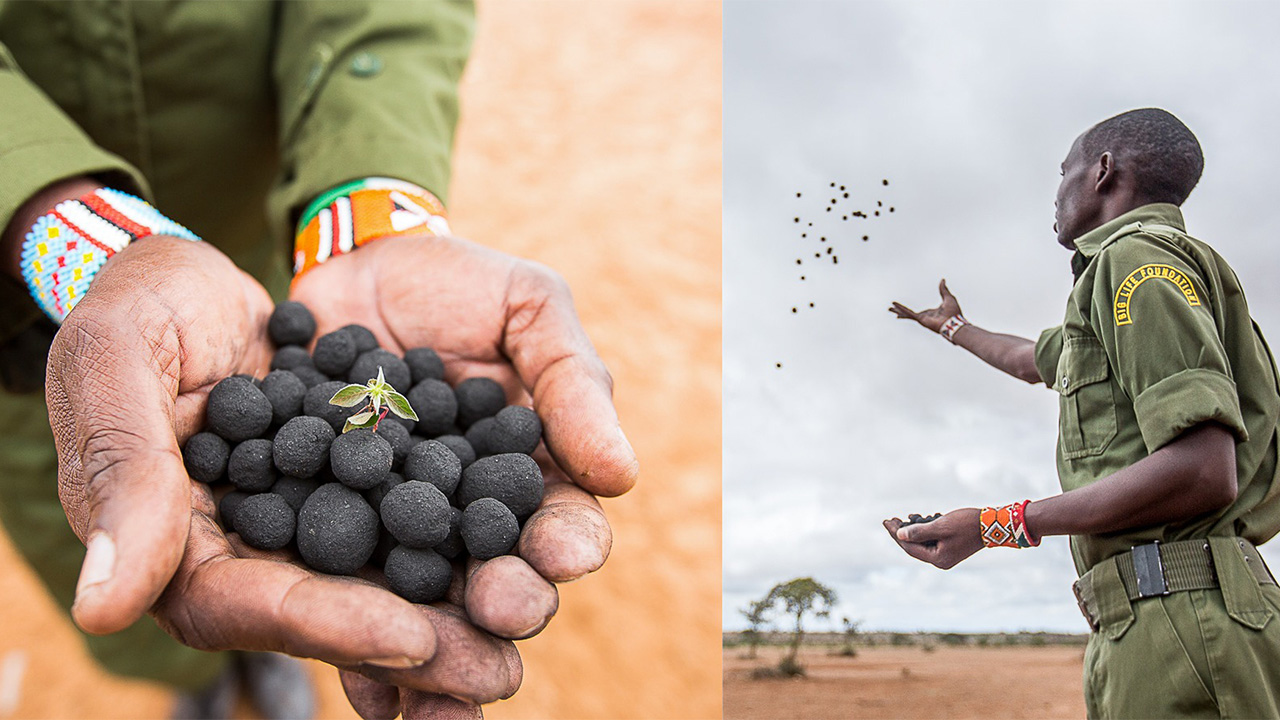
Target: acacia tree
x,y
800,597
757,614
850,635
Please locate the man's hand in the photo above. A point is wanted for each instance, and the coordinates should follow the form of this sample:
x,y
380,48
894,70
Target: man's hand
x,y
128,377
493,315
943,542
933,318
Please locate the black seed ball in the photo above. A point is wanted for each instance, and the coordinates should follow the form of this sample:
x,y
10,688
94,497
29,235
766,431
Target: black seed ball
x,y
360,459
295,491
301,447
398,436
265,521
409,425
309,376
284,391
478,436
337,530
385,545
513,478
250,466
424,364
334,353
419,576
452,546
489,529
460,447
362,336
290,357
436,406
205,456
227,507
416,513
433,462
291,323
378,492
316,403
238,410
478,397
515,429
394,370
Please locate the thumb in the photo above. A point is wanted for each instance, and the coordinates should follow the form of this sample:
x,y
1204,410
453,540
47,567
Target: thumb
x,y
120,473
920,533
944,291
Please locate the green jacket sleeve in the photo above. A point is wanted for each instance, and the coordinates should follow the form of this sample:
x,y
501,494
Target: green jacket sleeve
x,y
39,146
365,89
1152,312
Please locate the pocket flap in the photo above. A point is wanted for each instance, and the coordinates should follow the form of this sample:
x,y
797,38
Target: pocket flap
x,y
1083,362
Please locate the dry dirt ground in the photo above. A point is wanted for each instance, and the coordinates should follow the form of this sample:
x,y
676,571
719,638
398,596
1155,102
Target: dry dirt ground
x,y
590,141
908,682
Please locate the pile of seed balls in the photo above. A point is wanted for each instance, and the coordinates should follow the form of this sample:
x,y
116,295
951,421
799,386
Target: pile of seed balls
x,y
409,497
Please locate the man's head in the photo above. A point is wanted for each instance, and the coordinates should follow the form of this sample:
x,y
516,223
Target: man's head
x,y
1133,159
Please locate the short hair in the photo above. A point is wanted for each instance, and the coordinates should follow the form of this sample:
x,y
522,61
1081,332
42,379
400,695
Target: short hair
x,y
1162,153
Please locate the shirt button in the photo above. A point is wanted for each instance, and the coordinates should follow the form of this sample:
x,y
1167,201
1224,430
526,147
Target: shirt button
x,y
1066,382
366,64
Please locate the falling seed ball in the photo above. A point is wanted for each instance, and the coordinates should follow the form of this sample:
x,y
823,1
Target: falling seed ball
x,y
778,364
810,304
417,575
416,513
284,391
295,491
817,254
363,337
334,352
478,397
886,182
846,217
797,194
797,219
804,234
360,458
301,447
237,410
828,209
250,466
337,530
835,260
864,238
846,194
436,405
877,213
879,204
291,323
801,277
265,521
434,463
512,478
489,529
797,261
205,456
793,310
290,357
424,363
833,184
890,208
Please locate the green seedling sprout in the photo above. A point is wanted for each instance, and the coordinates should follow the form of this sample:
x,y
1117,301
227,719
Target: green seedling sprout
x,y
379,397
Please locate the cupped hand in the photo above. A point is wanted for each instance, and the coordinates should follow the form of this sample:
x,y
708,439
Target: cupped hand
x,y
944,542
933,318
127,381
493,315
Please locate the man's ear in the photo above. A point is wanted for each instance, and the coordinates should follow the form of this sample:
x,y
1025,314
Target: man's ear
x,y
1106,173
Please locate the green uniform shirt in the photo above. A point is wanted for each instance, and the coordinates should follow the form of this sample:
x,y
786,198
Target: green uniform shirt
x,y
1157,338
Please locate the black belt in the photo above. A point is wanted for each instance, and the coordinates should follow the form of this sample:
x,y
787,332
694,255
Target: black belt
x,y
1158,569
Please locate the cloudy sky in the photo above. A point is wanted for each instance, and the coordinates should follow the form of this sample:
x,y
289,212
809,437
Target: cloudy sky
x,y
967,109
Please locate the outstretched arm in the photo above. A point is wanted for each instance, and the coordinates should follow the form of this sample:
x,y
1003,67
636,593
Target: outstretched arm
x,y
1008,353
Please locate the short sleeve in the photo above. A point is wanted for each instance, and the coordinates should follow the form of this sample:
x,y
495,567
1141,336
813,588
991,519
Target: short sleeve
x,y
1048,350
1152,310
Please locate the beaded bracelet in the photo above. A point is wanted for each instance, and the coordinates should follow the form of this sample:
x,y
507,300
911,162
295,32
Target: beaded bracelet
x,y
1007,527
949,328
360,212
66,247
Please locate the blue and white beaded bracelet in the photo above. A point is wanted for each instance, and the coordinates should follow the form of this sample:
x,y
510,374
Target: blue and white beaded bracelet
x,y
67,246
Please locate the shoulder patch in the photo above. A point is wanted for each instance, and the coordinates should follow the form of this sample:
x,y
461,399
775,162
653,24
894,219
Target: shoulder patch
x,y
1155,270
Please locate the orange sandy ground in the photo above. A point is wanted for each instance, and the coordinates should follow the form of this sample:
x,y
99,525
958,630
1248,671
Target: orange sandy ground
x,y
908,682
590,140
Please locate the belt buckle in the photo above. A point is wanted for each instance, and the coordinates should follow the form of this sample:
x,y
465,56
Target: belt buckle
x,y
1149,570
1084,607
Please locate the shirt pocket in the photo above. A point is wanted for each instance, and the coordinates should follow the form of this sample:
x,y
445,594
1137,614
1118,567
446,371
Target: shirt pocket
x,y
1087,410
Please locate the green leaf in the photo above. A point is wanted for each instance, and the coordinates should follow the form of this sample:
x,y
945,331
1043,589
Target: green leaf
x,y
400,406
382,383
365,419
349,396
378,396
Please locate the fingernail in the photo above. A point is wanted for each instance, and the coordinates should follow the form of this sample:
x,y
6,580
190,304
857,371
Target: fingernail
x,y
99,563
397,662
623,437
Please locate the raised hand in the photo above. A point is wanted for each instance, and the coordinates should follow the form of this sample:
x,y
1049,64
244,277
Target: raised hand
x,y
493,315
944,542
933,318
